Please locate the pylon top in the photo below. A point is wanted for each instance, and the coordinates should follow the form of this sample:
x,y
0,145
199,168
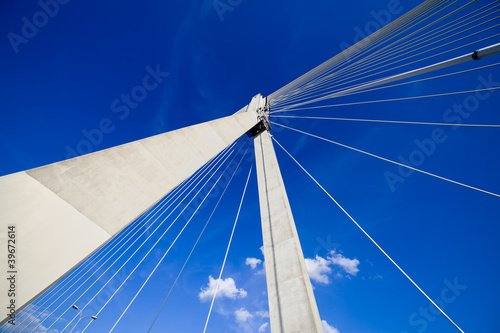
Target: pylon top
x,y
260,106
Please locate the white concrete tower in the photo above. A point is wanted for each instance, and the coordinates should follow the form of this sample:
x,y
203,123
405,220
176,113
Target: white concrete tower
x,y
292,306
66,210
62,212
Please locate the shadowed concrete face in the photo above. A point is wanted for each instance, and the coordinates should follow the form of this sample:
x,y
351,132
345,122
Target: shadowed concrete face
x,y
66,210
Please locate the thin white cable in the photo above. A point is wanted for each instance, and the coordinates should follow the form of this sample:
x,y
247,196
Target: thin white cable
x,y
400,84
390,99
390,161
364,62
123,239
154,245
392,52
359,48
389,121
159,206
214,162
367,44
227,250
130,257
369,237
171,245
29,311
426,44
415,81
98,254
195,244
426,40
328,96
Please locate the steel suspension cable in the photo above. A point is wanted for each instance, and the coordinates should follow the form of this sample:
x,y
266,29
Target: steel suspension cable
x,y
321,91
140,246
425,39
103,255
194,246
171,245
329,95
213,163
370,238
391,121
391,52
392,99
405,37
360,47
490,50
368,59
400,84
101,252
227,250
390,161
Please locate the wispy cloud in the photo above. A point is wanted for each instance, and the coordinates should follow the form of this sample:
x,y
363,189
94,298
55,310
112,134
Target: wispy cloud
x,y
263,327
263,314
227,288
327,328
348,265
242,315
33,321
253,262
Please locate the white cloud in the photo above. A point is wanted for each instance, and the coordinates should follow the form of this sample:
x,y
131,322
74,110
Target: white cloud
x,y
318,269
227,288
242,315
263,314
33,321
253,262
263,327
329,329
348,265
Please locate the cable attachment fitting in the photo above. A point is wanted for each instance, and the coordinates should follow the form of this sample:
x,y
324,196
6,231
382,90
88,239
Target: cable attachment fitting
x,y
475,56
263,120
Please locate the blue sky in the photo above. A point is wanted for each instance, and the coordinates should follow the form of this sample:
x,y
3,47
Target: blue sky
x,y
68,79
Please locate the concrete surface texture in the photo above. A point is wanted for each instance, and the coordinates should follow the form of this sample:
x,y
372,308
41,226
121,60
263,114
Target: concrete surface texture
x,y
292,306
64,211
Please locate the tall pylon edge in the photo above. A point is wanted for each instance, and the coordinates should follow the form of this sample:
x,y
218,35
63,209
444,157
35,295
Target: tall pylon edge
x,y
64,211
292,305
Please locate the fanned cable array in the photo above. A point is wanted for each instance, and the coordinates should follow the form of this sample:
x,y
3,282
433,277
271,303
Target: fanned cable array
x,y
437,35
451,38
433,36
85,293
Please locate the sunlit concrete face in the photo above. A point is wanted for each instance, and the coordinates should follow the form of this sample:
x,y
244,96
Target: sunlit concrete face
x,y
292,306
66,210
